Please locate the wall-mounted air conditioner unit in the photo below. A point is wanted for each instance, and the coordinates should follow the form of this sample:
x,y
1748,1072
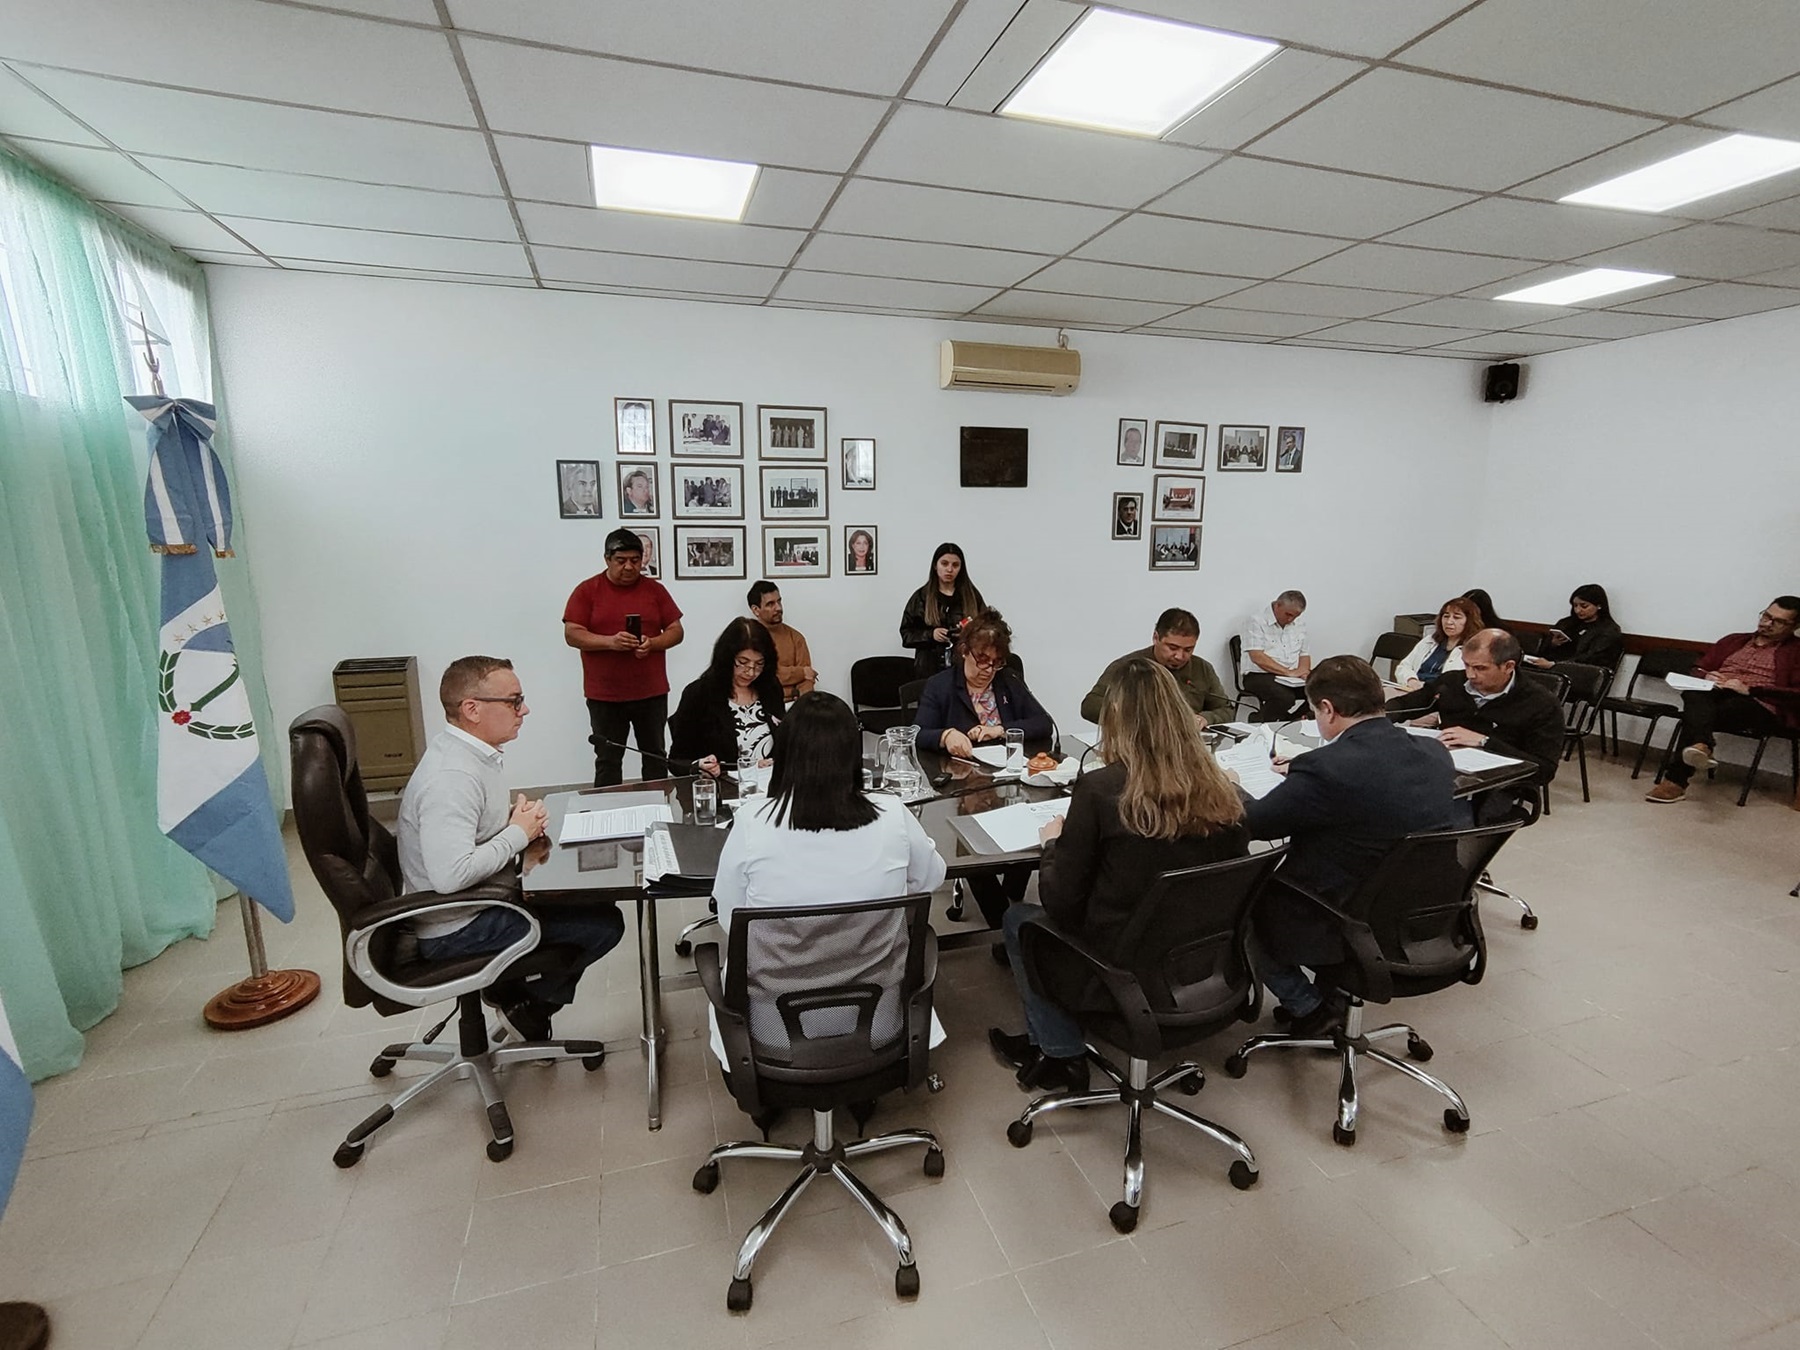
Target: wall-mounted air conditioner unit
x,y
1011,370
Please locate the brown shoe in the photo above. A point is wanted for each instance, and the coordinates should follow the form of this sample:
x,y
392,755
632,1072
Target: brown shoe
x,y
23,1326
1699,756
1666,791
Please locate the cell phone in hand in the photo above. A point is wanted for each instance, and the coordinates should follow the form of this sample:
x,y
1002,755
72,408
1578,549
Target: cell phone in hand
x,y
634,624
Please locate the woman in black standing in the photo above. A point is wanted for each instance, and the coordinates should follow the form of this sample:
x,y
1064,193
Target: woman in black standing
x,y
937,610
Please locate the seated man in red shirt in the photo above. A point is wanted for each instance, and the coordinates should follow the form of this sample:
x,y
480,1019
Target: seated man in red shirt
x,y
1756,691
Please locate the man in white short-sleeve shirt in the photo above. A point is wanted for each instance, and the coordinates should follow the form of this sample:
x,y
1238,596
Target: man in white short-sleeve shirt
x,y
1277,659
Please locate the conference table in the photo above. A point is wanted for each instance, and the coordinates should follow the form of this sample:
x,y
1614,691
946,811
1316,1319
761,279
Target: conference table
x,y
959,791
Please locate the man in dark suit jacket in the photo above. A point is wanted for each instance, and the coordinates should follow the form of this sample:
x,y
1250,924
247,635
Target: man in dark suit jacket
x,y
1494,704
1341,809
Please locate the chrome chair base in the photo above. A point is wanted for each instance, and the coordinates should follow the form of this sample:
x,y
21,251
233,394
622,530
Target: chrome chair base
x,y
684,941
1352,1044
824,1156
1527,918
1136,1091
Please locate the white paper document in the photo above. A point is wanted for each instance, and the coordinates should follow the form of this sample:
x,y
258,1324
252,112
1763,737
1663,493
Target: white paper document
x,y
1291,681
583,827
1015,828
1687,682
1250,761
1471,760
992,755
659,855
1429,733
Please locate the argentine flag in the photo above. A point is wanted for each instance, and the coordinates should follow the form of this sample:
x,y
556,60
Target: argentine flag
x,y
15,1109
212,796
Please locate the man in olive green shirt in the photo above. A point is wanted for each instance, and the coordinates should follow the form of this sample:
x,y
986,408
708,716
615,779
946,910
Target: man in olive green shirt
x,y
1177,634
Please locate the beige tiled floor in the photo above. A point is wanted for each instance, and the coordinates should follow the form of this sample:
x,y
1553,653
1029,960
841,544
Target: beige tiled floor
x,y
1632,1179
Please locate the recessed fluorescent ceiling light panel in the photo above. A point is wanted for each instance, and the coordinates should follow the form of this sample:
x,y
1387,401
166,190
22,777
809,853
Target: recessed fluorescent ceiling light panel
x,y
1706,172
1123,72
670,185
1587,285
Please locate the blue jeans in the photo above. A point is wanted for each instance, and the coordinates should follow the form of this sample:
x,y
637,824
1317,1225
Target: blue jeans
x,y
1298,994
593,928
1051,1028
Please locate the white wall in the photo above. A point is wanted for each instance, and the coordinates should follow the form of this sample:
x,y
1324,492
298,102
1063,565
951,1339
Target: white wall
x,y
395,444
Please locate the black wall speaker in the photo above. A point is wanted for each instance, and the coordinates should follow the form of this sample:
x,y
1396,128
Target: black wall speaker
x,y
1502,384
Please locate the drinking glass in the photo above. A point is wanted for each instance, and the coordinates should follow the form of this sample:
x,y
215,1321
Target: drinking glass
x,y
706,800
1015,750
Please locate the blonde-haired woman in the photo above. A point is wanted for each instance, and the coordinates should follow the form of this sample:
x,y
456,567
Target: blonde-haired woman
x,y
1158,802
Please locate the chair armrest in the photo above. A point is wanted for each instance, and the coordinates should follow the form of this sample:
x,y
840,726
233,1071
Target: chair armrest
x,y
734,1029
359,941
1121,985
918,1017
1361,940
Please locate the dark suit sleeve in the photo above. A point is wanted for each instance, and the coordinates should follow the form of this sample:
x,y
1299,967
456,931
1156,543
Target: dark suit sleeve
x,y
1299,802
937,702
1537,737
1071,862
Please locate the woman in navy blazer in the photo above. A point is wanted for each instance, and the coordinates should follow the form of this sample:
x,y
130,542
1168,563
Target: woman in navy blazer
x,y
978,699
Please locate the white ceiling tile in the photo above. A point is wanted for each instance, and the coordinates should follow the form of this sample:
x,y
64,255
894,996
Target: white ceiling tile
x,y
1608,323
1651,149
1074,310
920,261
547,93
1277,89
412,11
1366,30
1721,300
899,311
1714,251
173,123
1466,312
668,236
841,46
1380,332
1028,159
977,28
1782,215
1075,276
678,274
290,55
1786,276
325,243
182,229
1036,27
1517,229
1200,246
402,273
1619,52
1220,319
1427,270
1250,191
884,292
1774,111
102,175
1506,346
1328,302
308,199
1385,348
945,215
1438,131
25,112
201,255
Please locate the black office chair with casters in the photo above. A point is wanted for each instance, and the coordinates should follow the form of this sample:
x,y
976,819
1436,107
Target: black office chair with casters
x,y
1651,666
875,690
1527,806
820,1008
1412,928
1392,648
1182,973
358,867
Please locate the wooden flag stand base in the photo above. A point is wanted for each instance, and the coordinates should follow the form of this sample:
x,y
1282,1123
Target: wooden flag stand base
x,y
268,995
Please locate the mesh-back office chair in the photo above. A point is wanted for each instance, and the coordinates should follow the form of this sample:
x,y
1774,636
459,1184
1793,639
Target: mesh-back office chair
x,y
1411,928
875,691
1789,734
1527,804
1585,687
1183,972
1235,645
1651,667
820,1008
1393,648
358,867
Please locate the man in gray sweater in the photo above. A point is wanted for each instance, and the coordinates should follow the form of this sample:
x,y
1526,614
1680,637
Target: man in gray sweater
x,y
457,829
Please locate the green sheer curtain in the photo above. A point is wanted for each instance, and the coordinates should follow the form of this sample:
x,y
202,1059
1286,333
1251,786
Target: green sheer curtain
x,y
88,884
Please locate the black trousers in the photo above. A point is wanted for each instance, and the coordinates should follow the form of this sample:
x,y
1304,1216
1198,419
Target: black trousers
x,y
645,718
995,891
1279,702
1705,713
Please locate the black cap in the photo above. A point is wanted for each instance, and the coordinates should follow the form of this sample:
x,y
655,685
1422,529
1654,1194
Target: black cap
x,y
623,540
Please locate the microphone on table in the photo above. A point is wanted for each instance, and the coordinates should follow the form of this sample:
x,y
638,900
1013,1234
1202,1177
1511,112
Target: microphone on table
x,y
690,767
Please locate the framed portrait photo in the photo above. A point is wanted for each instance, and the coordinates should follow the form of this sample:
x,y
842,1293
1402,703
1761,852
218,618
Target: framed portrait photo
x,y
1174,548
1290,449
578,488
709,551
858,460
1132,431
634,423
637,492
650,536
706,491
859,550
794,493
1177,497
791,433
1181,445
1128,515
706,430
796,551
1243,449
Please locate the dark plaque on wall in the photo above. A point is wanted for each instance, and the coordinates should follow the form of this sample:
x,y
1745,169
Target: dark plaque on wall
x,y
994,456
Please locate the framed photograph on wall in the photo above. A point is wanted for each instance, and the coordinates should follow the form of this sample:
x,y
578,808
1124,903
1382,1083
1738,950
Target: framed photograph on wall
x,y
1132,431
858,459
1290,449
1177,497
1243,449
706,491
578,488
634,423
794,493
859,551
637,491
1128,515
712,430
791,433
1181,445
796,551
650,536
1174,548
709,551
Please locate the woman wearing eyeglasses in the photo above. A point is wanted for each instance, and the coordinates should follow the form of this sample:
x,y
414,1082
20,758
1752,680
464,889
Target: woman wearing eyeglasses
x,y
729,715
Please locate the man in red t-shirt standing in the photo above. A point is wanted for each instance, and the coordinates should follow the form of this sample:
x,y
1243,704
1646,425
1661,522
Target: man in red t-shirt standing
x,y
622,622
1756,692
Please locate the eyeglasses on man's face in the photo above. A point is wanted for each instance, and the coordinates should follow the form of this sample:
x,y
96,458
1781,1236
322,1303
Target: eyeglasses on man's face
x,y
514,701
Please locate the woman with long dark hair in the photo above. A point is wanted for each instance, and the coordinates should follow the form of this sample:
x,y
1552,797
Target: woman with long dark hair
x,y
1587,634
729,714
937,611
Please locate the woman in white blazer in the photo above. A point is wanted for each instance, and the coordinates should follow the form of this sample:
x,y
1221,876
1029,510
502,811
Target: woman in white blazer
x,y
1440,650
